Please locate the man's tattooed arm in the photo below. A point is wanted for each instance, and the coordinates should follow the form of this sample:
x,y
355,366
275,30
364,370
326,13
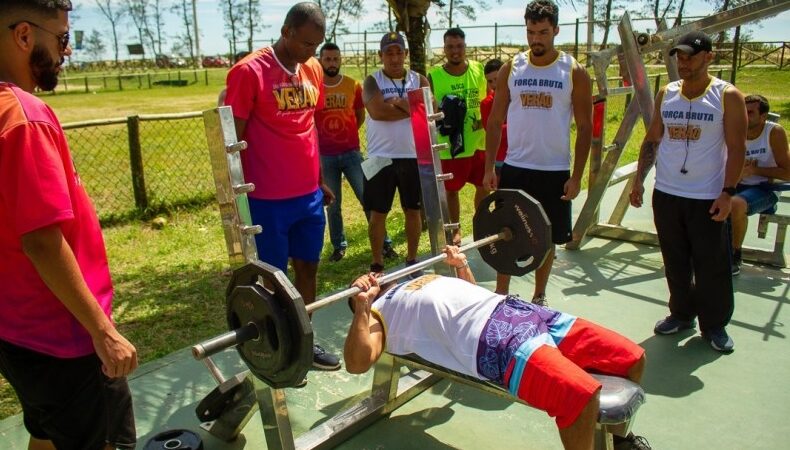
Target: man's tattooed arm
x,y
647,158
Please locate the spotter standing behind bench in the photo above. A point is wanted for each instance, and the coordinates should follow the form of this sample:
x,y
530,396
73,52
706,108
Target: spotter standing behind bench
x,y
540,355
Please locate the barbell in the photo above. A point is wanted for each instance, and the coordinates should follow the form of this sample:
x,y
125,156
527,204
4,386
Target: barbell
x,y
269,322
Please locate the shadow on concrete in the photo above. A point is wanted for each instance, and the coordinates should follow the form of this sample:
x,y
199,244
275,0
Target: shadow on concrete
x,y
405,432
671,366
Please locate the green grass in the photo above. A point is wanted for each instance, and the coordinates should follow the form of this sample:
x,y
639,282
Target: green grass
x,y
170,283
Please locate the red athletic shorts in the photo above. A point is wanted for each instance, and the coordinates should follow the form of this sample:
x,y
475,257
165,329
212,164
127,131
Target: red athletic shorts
x,y
552,375
465,170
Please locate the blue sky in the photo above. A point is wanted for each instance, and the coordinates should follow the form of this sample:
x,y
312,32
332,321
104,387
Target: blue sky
x,y
509,12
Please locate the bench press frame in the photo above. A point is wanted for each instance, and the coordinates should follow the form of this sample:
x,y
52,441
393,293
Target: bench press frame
x,y
392,387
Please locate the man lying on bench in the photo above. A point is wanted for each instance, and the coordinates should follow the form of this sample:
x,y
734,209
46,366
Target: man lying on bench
x,y
538,354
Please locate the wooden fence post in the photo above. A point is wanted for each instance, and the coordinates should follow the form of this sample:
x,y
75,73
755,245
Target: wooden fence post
x,y
736,41
136,163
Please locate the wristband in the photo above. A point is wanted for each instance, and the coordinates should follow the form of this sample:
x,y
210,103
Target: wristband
x,y
731,191
465,264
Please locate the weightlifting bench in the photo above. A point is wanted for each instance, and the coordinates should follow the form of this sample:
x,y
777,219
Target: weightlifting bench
x,y
776,256
272,332
620,399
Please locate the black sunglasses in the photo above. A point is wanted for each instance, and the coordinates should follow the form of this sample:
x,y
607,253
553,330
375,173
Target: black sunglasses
x,y
63,39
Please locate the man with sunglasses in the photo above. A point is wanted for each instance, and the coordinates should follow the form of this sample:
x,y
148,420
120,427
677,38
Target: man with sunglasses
x,y
59,348
697,139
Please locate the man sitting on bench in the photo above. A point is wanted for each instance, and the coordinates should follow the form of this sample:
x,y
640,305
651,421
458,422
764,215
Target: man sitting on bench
x,y
767,158
538,354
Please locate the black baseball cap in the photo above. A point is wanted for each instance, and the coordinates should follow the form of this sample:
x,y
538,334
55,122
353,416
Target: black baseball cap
x,y
692,43
392,38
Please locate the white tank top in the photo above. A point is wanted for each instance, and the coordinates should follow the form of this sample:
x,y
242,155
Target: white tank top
x,y
392,139
440,319
539,113
759,152
694,132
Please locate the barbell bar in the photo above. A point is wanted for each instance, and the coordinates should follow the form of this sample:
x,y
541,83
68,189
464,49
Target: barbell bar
x,y
270,326
250,331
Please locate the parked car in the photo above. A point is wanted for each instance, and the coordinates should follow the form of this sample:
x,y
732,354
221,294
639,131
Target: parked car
x,y
215,61
170,61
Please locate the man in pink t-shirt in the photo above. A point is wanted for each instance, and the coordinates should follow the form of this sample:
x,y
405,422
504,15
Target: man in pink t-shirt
x,y
59,348
274,93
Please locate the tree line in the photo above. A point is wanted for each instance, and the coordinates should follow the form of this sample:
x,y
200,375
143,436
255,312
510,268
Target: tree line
x,y
242,20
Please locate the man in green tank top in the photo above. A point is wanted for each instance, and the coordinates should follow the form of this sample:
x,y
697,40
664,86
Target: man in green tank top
x,y
466,80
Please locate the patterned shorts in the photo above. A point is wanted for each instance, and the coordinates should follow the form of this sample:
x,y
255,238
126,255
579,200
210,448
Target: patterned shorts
x,y
542,356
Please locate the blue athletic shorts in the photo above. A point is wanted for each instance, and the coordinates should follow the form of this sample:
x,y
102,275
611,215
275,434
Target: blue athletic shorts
x,y
758,199
292,228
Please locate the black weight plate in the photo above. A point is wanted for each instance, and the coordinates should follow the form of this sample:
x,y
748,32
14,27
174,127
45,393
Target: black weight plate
x,y
269,353
300,354
530,227
222,398
175,440
301,330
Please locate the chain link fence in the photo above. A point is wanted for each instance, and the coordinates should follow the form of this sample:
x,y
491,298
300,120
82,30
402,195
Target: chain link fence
x,y
142,164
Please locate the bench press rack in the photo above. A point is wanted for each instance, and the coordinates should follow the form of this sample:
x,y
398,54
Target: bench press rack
x,y
392,385
604,159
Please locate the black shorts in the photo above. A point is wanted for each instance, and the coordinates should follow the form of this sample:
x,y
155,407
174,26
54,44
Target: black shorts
x,y
69,401
546,187
402,174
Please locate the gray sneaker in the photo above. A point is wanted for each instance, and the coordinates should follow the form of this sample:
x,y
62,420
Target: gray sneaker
x,y
671,325
541,300
323,360
719,340
735,264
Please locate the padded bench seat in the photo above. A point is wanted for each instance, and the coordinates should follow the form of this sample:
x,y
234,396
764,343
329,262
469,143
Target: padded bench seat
x,y
619,400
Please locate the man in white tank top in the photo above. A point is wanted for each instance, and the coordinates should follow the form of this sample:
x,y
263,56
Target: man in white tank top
x,y
539,91
697,139
767,159
392,159
536,353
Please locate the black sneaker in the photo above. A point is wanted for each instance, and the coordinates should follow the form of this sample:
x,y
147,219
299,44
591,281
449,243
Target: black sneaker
x,y
736,263
671,325
377,268
338,254
719,340
631,442
414,275
322,360
389,252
